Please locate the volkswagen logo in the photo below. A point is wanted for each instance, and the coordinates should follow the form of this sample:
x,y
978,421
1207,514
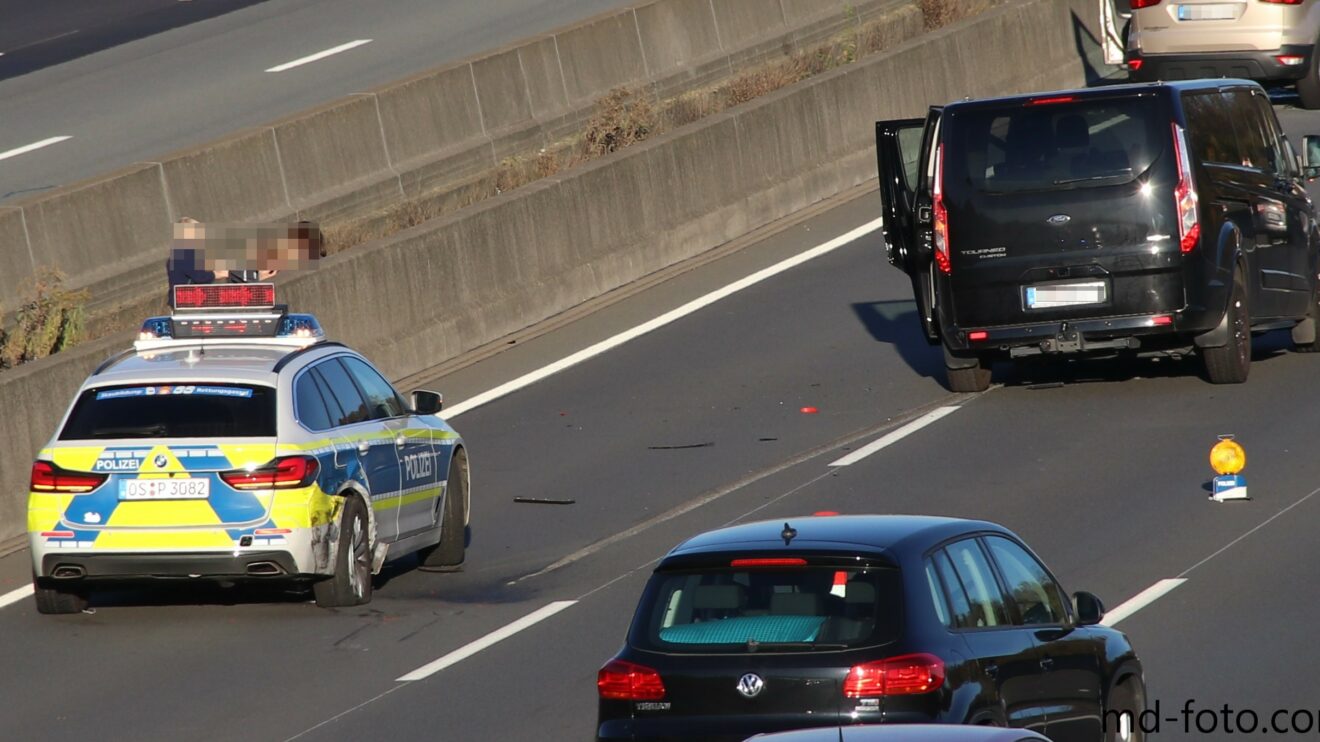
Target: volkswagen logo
x,y
1059,220
751,685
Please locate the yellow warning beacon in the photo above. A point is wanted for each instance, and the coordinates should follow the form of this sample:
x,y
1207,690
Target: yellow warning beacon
x,y
1228,459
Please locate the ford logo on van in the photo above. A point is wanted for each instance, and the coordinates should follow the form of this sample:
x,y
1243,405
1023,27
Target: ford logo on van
x,y
1059,220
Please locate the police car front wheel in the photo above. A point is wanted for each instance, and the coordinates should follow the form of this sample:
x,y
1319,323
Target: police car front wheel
x,y
351,583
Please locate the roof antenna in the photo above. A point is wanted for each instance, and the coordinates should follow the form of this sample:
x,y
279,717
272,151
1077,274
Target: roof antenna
x,y
788,534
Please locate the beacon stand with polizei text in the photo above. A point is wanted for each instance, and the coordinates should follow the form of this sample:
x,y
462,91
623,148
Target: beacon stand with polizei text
x,y
1228,459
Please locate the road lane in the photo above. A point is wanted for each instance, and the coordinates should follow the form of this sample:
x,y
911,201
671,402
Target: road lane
x,y
1104,476
141,98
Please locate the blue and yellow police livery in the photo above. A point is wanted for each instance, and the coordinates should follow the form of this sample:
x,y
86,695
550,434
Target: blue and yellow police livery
x,y
250,450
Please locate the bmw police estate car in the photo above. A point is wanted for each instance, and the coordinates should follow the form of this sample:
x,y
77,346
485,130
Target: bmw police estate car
x,y
234,442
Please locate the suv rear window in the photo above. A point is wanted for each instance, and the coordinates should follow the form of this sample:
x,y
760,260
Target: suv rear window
x,y
1070,144
172,411
779,609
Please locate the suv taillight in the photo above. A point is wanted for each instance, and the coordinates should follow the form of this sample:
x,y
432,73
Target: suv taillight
x,y
1284,2
905,675
1139,4
1189,227
47,477
286,472
941,216
629,681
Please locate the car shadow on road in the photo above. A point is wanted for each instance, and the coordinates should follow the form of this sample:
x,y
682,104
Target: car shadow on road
x,y
896,323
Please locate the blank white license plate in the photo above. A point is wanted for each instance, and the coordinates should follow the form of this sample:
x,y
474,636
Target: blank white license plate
x,y
1216,12
1046,296
165,489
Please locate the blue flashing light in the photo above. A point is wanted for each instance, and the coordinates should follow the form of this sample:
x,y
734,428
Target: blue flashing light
x,y
300,326
155,328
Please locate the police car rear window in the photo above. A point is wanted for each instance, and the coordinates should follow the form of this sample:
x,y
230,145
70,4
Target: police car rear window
x,y
172,411
796,609
1054,144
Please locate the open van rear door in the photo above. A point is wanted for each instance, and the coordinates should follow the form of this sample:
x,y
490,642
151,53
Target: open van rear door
x,y
903,156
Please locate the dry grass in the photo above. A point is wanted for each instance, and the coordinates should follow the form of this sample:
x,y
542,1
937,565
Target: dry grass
x,y
50,319
623,117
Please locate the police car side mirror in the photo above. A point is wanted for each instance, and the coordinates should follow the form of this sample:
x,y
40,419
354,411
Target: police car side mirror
x,y
1089,610
1311,156
427,403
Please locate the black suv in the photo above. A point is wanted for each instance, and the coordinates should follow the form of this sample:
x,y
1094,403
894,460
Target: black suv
x,y
828,621
1156,219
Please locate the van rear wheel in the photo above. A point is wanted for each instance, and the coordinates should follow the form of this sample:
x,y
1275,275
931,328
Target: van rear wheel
x,y
967,373
1231,363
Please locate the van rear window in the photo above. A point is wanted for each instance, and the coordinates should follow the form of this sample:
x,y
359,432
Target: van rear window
x,y
1068,144
172,411
793,609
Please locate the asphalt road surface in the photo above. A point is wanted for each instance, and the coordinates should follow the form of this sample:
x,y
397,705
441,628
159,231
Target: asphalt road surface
x,y
87,87
698,424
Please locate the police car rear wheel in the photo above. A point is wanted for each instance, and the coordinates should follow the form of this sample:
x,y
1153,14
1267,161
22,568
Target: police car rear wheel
x,y
54,601
351,583
447,555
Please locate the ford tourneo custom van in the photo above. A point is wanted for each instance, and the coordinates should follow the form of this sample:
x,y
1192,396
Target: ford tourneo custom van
x,y
1150,219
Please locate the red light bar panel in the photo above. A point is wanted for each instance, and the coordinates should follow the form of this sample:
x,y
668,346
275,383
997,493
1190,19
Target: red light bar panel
x,y
224,296
226,327
769,562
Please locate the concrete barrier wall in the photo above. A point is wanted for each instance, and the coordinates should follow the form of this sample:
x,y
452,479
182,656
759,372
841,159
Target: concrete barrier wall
x,y
359,154
450,285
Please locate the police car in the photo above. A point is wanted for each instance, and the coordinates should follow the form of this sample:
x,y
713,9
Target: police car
x,y
234,442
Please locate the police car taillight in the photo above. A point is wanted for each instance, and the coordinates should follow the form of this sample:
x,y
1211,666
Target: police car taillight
x,y
287,472
47,477
224,296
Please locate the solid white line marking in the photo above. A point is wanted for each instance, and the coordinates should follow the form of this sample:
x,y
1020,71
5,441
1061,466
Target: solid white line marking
x,y
1142,599
658,322
13,596
894,436
494,637
29,147
319,55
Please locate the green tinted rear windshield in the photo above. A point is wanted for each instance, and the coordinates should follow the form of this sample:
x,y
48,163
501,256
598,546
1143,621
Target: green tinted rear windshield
x,y
1063,143
774,609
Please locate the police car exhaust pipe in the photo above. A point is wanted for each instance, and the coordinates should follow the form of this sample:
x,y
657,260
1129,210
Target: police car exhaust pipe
x,y
68,572
265,569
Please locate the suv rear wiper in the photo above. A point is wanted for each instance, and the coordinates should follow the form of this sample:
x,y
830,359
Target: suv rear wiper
x,y
1124,173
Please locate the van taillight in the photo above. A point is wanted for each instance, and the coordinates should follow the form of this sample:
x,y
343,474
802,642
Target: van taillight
x,y
941,216
1189,228
47,477
283,473
629,681
1139,4
905,675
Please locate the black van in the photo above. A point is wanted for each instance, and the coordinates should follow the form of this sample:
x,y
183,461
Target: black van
x,y
1164,218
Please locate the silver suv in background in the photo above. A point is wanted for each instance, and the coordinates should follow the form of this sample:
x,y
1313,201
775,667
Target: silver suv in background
x,y
1273,42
